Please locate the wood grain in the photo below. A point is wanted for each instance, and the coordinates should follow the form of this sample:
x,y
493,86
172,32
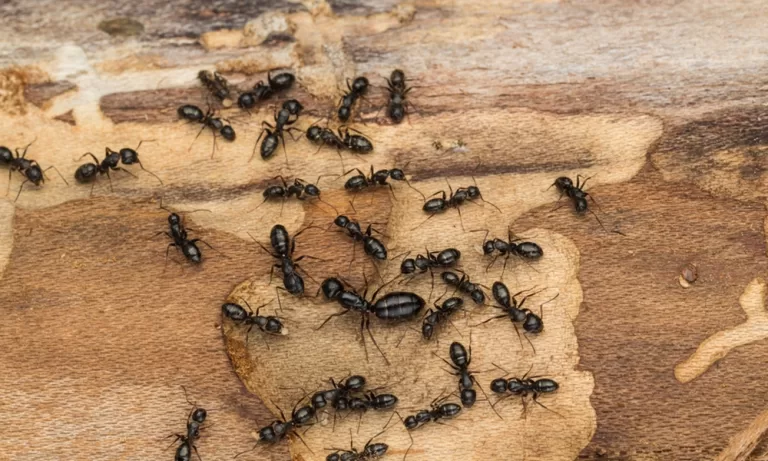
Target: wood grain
x,y
99,334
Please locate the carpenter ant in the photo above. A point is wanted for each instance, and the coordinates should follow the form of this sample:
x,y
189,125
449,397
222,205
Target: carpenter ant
x,y
577,195
378,178
300,188
513,309
438,410
371,245
278,429
195,419
268,324
193,113
513,246
355,142
371,451
284,247
339,396
275,134
215,83
392,306
358,87
453,200
261,92
446,258
464,285
439,315
178,233
397,91
522,387
87,172
30,169
460,364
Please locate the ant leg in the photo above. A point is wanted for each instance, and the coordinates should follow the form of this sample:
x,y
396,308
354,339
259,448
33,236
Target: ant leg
x,y
8,187
123,169
59,173
493,261
153,174
193,141
598,220
256,144
368,327
430,217
460,218
338,314
167,249
488,320
20,188
504,267
262,246
535,400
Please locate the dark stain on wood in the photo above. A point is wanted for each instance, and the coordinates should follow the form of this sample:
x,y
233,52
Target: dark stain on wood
x,y
40,93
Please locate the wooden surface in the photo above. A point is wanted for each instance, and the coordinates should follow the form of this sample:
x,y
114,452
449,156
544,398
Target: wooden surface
x,y
662,103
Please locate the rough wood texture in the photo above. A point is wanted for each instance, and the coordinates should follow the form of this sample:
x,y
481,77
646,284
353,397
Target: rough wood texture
x,y
666,114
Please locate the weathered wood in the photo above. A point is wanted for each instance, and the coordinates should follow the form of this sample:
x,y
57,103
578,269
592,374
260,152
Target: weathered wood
x,y
99,334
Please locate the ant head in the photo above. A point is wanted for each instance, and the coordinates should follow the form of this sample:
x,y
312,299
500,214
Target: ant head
x,y
473,191
274,325
376,450
341,221
129,156
246,100
227,132
293,106
314,132
268,434
312,190
499,386
453,303
360,84
199,415
354,382
533,323
397,174
580,204
332,288
397,77
408,266
34,174
563,183
449,277
6,156
174,219
280,82
488,247
234,311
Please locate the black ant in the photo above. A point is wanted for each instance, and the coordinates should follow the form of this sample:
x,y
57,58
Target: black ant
x,y
577,195
434,259
284,247
195,419
438,410
360,182
371,245
358,87
88,172
30,169
513,309
276,134
397,91
339,396
392,306
301,189
464,285
277,430
440,314
453,200
261,92
215,83
268,324
513,246
460,364
522,387
371,451
178,233
341,139
193,113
